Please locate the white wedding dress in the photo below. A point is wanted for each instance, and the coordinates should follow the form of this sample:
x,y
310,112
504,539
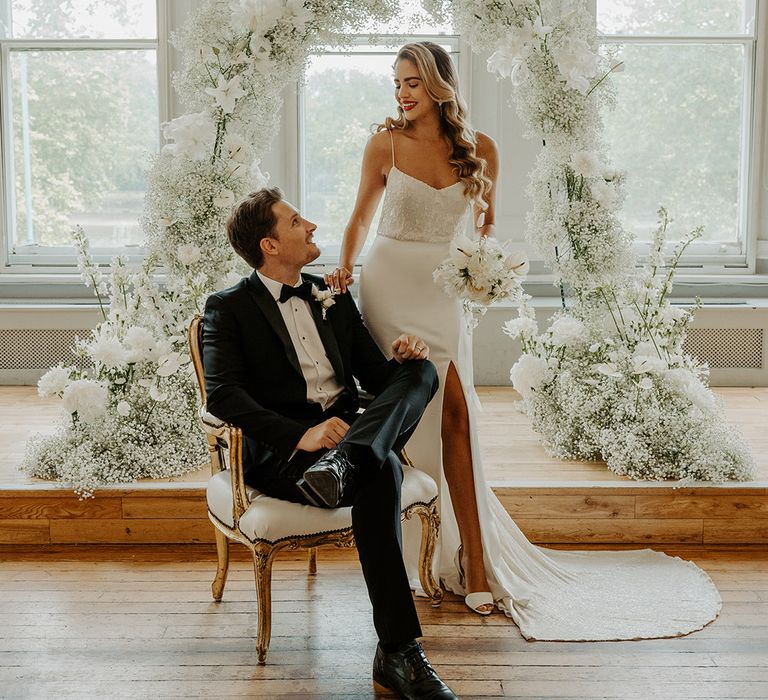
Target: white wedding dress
x,y
550,595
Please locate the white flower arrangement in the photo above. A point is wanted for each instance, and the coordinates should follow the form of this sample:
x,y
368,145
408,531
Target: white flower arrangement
x,y
324,297
129,397
622,388
609,378
237,56
479,273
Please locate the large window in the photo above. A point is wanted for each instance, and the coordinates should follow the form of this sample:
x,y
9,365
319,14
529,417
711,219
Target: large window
x,y
682,124
344,96
79,115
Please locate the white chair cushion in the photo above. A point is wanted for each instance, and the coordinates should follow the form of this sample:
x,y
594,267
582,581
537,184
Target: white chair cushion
x,y
273,519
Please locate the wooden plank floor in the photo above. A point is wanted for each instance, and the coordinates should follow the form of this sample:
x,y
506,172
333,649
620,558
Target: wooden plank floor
x,y
138,622
511,451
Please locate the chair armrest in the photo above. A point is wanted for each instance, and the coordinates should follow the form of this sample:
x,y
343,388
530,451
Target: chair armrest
x,y
227,436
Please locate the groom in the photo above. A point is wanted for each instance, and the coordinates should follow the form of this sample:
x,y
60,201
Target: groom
x,y
281,363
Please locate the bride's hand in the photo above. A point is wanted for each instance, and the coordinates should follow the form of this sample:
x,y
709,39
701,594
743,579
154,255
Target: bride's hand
x,y
409,347
339,279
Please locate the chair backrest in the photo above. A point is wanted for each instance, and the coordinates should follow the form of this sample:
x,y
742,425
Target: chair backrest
x,y
195,337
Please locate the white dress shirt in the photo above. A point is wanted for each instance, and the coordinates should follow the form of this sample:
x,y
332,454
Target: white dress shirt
x,y
322,385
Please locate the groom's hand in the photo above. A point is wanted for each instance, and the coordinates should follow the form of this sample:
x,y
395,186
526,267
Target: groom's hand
x,y
410,347
325,435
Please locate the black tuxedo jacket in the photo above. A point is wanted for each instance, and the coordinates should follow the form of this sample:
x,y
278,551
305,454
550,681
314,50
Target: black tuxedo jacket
x,y
252,373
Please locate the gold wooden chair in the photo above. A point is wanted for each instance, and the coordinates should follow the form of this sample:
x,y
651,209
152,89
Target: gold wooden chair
x,y
267,525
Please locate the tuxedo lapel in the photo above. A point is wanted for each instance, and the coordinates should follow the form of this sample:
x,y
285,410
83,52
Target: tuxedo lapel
x,y
328,337
266,302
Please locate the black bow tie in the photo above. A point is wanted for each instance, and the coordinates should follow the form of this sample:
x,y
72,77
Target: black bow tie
x,y
303,291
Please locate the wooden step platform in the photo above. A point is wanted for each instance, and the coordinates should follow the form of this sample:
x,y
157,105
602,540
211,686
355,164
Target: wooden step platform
x,y
553,501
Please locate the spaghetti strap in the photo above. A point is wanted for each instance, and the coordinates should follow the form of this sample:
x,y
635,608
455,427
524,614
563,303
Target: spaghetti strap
x,y
392,141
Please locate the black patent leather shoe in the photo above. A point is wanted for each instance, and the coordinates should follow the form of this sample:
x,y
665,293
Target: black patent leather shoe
x,y
327,481
408,673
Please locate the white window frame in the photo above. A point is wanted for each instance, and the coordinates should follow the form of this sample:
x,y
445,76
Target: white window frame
x,y
708,258
295,142
58,260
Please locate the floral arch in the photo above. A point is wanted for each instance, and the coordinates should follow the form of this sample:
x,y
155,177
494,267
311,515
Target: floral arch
x,y
129,396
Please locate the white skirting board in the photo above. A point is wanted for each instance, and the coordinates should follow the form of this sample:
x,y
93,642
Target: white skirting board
x,y
731,337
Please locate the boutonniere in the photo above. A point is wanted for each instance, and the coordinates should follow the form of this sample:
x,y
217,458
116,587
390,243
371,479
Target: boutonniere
x,y
325,297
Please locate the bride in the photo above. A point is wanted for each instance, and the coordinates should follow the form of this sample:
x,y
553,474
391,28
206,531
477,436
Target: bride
x,y
437,173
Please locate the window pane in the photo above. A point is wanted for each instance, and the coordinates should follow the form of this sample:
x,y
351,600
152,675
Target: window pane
x,y
676,17
411,19
677,130
83,123
80,19
353,92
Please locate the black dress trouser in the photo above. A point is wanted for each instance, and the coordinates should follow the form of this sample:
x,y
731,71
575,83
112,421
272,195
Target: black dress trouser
x,y
374,440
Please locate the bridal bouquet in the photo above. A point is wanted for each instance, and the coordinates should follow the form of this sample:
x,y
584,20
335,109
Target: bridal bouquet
x,y
479,273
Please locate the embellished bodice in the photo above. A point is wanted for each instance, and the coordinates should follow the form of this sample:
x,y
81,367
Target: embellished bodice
x,y
416,211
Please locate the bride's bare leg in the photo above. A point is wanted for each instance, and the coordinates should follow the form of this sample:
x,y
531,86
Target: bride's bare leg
x,y
457,464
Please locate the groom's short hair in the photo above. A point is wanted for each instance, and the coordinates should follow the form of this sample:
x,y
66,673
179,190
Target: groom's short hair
x,y
251,221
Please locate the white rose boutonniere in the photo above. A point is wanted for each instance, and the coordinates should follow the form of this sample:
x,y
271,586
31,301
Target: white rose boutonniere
x,y
325,297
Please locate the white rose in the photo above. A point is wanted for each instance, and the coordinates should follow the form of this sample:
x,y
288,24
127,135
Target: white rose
x,y
586,163
188,254
53,382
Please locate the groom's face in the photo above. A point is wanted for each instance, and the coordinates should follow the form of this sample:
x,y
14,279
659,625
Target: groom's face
x,y
293,236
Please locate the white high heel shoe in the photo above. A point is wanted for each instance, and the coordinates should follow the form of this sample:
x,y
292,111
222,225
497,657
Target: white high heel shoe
x,y
474,601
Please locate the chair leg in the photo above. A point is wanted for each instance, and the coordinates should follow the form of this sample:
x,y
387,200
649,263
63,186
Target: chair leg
x,y
312,560
430,526
263,556
222,550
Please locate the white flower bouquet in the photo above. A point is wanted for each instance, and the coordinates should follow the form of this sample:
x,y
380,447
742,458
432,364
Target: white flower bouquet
x,y
480,272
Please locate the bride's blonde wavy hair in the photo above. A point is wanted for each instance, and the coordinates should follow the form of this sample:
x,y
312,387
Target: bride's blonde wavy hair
x,y
442,84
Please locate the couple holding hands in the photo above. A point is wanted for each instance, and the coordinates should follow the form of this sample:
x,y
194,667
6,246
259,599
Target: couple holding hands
x,y
282,355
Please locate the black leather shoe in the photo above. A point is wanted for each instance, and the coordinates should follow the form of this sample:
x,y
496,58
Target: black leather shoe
x,y
328,479
409,674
